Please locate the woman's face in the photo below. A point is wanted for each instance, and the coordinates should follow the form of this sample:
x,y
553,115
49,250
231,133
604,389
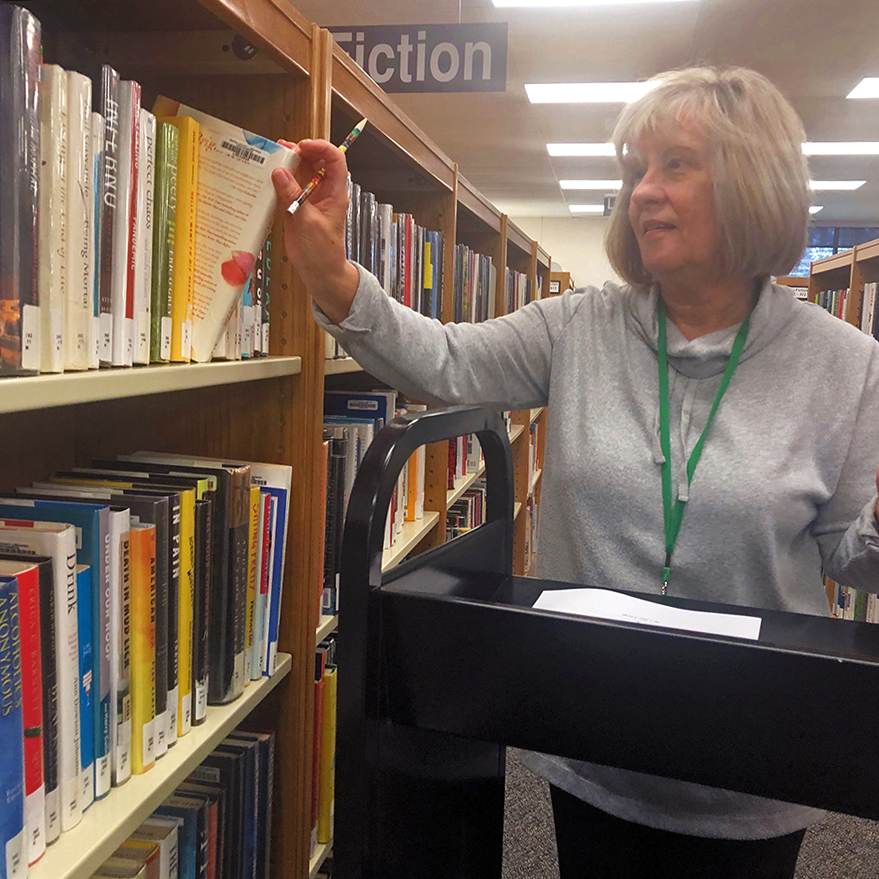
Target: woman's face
x,y
672,208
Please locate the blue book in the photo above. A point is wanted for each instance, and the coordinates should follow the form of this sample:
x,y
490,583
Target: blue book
x,y
93,549
377,406
12,836
187,810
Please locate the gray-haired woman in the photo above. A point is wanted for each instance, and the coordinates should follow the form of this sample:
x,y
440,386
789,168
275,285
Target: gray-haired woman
x,y
715,199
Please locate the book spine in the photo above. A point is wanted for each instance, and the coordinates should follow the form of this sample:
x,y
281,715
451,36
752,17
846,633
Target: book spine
x,y
122,677
143,648
327,757
165,212
202,611
172,601
253,535
185,604
78,310
101,607
258,279
12,804
110,203
53,215
97,203
86,675
262,561
266,297
119,526
167,538
32,712
144,251
48,661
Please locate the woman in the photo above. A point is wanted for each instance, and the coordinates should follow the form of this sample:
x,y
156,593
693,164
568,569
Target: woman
x,y
715,199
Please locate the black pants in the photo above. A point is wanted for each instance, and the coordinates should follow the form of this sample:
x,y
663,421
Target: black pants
x,y
595,845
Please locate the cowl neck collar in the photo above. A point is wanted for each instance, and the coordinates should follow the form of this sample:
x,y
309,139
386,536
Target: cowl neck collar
x,y
707,356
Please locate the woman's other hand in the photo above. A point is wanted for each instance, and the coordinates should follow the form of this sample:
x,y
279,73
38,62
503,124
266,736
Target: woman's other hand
x,y
315,235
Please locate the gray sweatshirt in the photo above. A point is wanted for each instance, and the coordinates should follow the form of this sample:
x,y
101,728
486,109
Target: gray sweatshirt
x,y
785,485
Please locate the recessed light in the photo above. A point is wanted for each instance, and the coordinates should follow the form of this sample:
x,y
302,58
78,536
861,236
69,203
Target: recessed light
x,y
591,184
586,208
840,185
587,92
583,149
543,3
842,148
815,208
868,87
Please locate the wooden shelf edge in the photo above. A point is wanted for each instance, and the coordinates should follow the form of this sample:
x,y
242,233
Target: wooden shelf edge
x,y
341,365
833,263
535,414
327,624
470,198
321,853
462,484
534,480
870,251
411,535
110,821
516,432
518,238
517,508
21,393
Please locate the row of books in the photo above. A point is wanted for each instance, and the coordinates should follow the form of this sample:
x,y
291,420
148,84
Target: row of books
x,y
152,585
467,512
216,824
837,302
531,512
324,751
847,603
869,317
475,285
129,235
518,290
840,303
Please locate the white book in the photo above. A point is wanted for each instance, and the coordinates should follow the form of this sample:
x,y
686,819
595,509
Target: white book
x,y
58,541
80,262
164,832
122,283
53,215
143,254
95,219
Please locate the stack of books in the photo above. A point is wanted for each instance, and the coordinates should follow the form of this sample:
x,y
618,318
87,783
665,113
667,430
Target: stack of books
x,y
129,236
136,592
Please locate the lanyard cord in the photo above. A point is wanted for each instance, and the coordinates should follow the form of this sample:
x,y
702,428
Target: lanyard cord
x,y
674,513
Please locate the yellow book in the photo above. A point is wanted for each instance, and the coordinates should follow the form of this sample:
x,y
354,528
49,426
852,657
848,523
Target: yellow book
x,y
183,273
326,796
143,646
251,580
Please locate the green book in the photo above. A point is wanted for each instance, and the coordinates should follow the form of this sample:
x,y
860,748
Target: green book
x,y
165,206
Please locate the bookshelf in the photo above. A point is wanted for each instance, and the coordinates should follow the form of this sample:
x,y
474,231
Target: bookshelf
x,y
850,270
296,84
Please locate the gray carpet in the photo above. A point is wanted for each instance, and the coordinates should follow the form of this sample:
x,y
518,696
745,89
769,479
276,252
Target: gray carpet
x,y
839,848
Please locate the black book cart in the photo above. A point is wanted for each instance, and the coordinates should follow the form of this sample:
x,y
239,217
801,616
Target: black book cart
x,y
443,662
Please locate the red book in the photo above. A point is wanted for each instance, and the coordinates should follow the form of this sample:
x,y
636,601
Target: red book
x,y
28,575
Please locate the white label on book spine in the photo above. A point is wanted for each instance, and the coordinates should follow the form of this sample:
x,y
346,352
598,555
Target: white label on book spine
x,y
87,780
106,336
35,823
186,339
16,863
30,337
186,711
128,340
56,335
149,743
265,338
201,700
160,728
143,337
173,702
96,341
53,816
165,343
102,775
123,749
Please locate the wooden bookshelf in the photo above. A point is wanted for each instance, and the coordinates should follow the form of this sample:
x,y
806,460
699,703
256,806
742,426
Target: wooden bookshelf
x,y
326,625
317,859
341,366
411,535
109,821
851,270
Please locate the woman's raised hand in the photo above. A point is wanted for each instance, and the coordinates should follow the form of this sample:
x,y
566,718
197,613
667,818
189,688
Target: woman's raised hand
x,y
315,235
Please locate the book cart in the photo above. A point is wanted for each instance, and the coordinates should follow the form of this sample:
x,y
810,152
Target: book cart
x,y
447,663
263,66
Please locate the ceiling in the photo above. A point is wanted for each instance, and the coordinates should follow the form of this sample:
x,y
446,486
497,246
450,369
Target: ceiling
x,y
816,51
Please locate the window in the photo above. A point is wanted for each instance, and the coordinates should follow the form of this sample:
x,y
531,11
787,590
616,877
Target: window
x,y
829,240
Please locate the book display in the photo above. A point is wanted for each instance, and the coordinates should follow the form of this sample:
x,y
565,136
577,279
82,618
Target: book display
x,y
103,412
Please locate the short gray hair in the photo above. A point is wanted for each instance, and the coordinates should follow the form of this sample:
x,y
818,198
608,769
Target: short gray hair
x,y
761,178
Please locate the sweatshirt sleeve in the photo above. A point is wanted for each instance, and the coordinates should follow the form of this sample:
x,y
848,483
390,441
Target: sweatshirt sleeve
x,y
845,527
503,363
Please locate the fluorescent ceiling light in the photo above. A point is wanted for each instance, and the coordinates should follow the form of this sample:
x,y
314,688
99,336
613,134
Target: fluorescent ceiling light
x,y
815,208
841,148
587,92
868,87
591,184
841,185
583,149
586,208
543,3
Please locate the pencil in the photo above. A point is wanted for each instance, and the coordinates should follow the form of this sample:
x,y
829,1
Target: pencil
x,y
355,133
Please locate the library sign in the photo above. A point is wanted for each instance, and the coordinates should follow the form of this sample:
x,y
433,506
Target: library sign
x,y
430,57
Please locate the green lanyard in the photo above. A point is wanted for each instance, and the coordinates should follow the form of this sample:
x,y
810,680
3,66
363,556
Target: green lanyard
x,y
673,514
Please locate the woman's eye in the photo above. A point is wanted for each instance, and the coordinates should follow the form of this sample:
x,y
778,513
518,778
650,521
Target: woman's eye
x,y
675,164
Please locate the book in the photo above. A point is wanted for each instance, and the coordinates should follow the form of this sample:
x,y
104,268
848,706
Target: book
x,y
142,852
326,797
253,537
53,215
203,577
120,868
58,542
124,230
12,822
143,251
186,809
143,646
163,832
165,208
211,841
232,221
263,555
183,266
27,575
95,222
20,321
249,747
110,201
265,795
80,194
226,767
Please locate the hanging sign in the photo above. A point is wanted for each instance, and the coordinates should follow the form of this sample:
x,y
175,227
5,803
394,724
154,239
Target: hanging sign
x,y
430,57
